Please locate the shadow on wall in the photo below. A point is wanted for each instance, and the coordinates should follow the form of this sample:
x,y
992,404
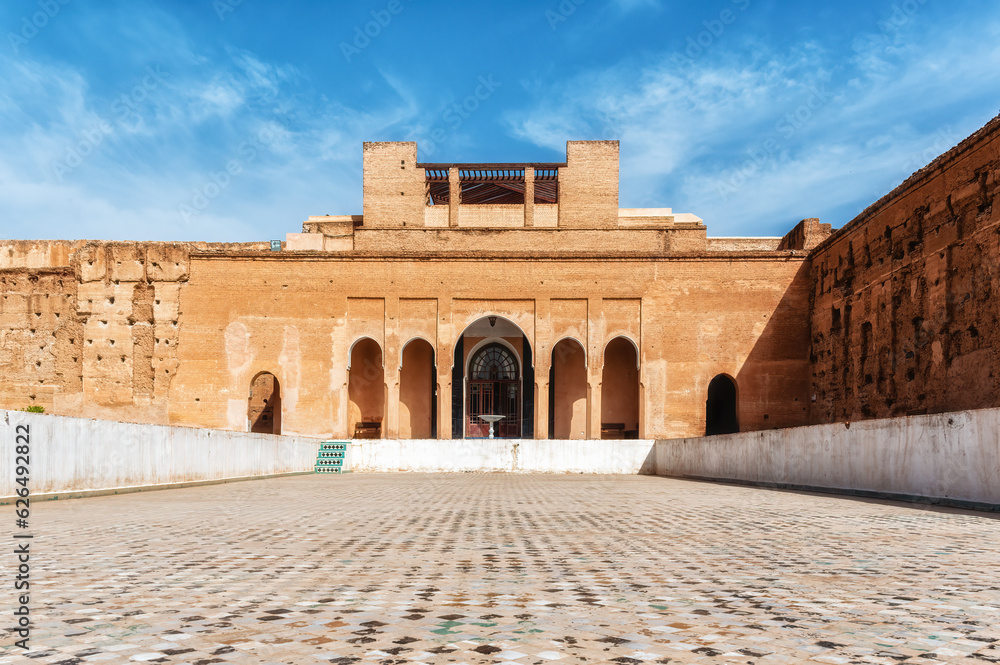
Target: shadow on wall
x,y
264,404
773,383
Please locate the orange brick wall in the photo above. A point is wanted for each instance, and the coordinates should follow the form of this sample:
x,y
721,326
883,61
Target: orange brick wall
x,y
905,297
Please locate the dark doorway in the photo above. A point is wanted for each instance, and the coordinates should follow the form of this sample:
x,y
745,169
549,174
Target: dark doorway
x,y
366,390
721,415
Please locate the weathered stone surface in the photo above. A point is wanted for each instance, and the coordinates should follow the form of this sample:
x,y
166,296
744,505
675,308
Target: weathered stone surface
x,y
904,313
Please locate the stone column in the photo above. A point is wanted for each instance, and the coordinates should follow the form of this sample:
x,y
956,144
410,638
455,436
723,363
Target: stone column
x,y
341,343
444,393
642,407
595,365
529,196
390,367
444,354
543,361
594,408
454,196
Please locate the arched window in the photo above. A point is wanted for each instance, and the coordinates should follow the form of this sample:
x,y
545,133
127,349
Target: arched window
x,y
494,363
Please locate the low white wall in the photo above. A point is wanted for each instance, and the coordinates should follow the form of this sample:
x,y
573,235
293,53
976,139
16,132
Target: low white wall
x,y
80,455
952,456
524,455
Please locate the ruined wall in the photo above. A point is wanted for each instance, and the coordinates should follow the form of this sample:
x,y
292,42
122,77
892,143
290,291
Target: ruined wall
x,y
90,328
41,337
905,307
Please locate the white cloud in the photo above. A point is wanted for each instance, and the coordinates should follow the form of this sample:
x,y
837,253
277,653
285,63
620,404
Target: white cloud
x,y
77,164
825,133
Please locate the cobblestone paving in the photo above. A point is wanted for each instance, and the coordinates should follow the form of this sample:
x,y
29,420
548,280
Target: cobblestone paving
x,y
527,569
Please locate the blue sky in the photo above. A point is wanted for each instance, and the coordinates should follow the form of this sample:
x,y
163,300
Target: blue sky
x,y
234,120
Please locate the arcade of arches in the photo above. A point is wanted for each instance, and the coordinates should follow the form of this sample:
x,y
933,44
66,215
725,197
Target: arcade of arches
x,y
493,367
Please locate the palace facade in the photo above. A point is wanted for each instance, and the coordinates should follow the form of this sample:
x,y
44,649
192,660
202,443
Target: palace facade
x,y
521,291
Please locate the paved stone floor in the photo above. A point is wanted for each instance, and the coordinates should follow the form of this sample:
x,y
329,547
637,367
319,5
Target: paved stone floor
x,y
527,569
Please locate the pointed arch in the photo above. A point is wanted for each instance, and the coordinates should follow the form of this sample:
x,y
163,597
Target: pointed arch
x,y
366,389
568,390
620,390
417,390
515,398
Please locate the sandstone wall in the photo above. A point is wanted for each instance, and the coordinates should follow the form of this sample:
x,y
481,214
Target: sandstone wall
x,y
537,240
905,306
296,315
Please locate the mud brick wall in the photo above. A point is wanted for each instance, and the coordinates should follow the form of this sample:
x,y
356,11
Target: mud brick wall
x,y
298,315
41,338
588,185
394,188
90,328
905,297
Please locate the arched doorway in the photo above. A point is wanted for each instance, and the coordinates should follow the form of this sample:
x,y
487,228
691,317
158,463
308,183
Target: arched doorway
x,y
494,388
417,389
264,404
519,416
366,390
721,408
620,391
568,391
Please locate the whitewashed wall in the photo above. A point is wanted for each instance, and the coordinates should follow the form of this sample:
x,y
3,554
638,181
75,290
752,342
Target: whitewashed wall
x,y
78,454
953,456
525,455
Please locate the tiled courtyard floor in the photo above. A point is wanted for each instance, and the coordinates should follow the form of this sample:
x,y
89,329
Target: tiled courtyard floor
x,y
527,569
